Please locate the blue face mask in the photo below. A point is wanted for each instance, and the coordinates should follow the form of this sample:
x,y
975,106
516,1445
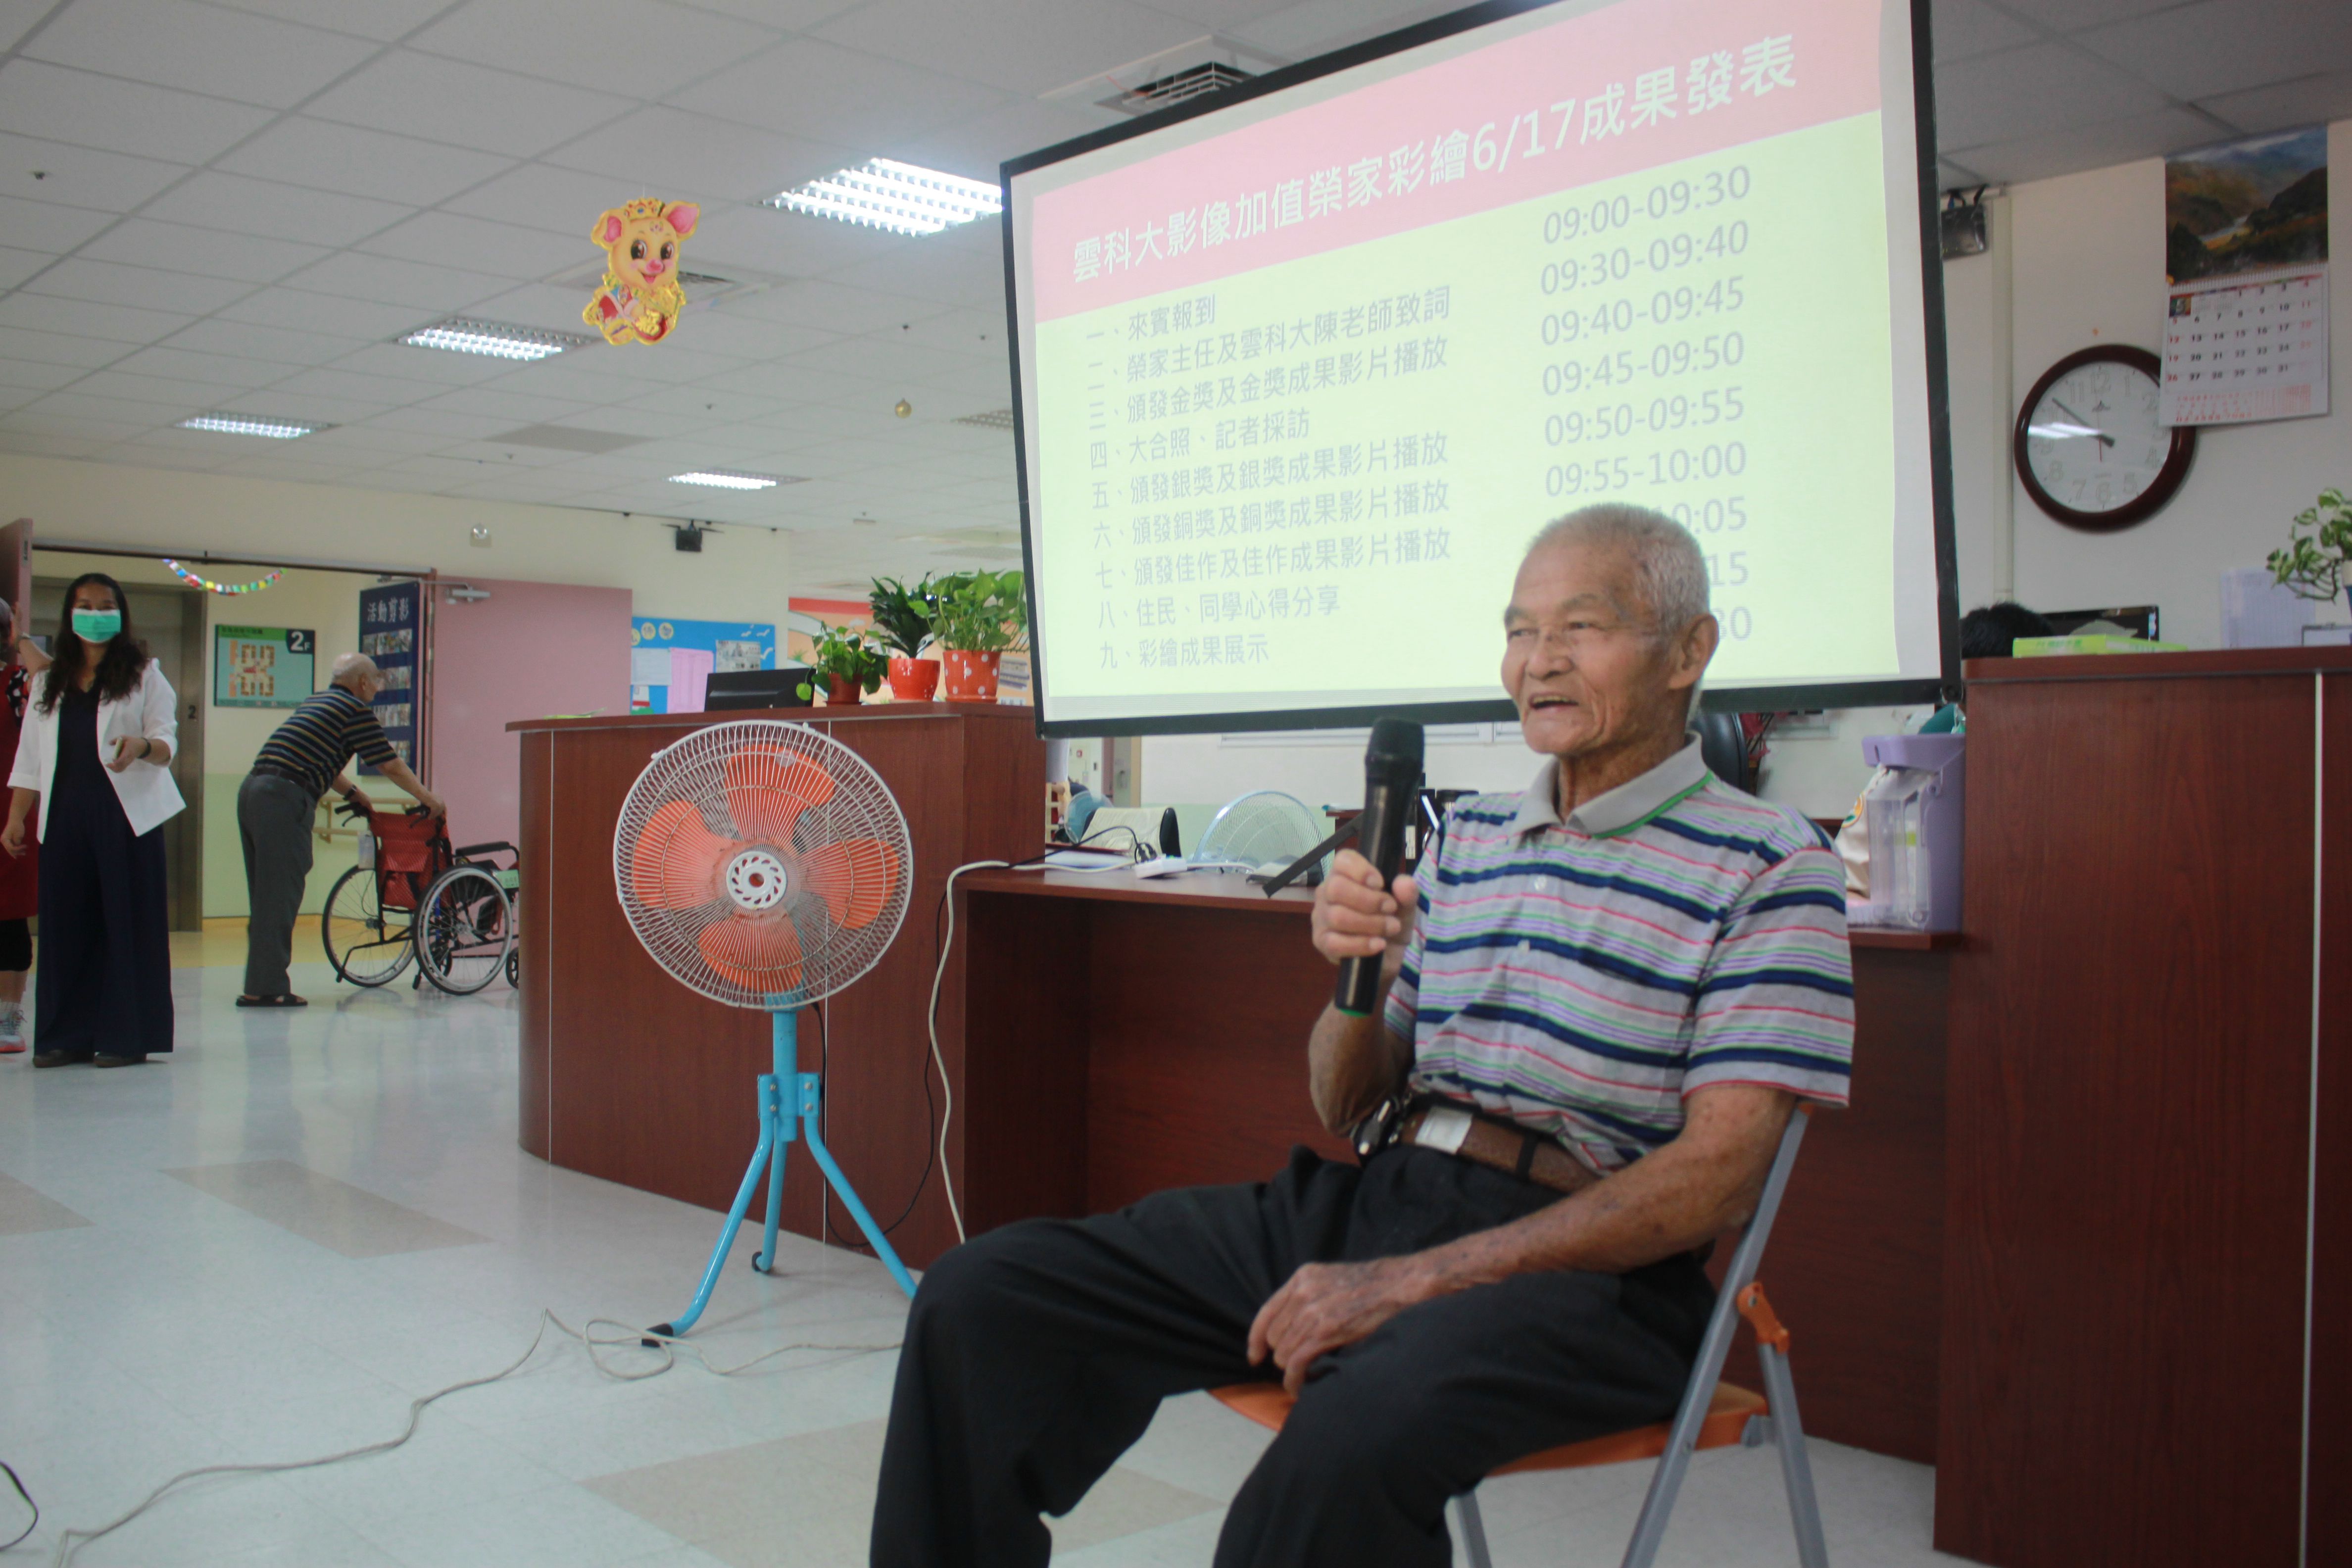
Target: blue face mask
x,y
97,625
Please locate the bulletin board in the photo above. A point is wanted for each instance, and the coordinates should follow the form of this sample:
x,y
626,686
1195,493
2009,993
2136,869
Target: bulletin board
x,y
671,661
263,667
392,632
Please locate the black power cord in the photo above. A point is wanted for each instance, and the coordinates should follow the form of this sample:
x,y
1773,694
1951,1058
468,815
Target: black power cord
x,y
18,1483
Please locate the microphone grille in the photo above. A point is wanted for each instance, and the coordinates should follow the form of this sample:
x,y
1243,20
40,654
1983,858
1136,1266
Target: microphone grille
x,y
1395,742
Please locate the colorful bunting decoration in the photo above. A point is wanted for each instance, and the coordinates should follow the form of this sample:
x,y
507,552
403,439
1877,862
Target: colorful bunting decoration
x,y
209,587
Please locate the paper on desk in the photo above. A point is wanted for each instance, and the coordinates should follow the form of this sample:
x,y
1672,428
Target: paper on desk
x,y
1086,860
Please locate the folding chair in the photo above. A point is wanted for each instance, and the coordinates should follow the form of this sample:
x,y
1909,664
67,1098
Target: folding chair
x,y
1714,1415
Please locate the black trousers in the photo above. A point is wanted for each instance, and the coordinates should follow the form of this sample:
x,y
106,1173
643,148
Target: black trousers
x,y
273,824
1036,1354
104,985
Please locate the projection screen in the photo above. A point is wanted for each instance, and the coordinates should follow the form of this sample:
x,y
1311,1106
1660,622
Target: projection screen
x,y
1301,369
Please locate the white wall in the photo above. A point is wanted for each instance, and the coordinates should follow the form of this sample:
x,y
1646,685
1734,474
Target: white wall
x,y
741,574
2074,261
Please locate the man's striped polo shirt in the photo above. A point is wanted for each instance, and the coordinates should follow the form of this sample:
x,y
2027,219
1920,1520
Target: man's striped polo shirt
x,y
1582,977
321,734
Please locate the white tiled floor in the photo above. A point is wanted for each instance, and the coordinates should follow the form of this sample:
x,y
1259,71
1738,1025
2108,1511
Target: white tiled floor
x,y
176,1328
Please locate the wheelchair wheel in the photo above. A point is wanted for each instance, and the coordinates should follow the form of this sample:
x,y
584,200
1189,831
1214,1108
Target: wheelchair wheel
x,y
367,944
465,929
514,968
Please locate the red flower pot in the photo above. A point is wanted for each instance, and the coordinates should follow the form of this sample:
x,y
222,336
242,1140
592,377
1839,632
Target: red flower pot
x,y
972,676
913,679
842,690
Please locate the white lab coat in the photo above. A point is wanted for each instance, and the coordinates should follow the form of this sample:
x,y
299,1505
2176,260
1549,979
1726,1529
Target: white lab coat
x,y
149,796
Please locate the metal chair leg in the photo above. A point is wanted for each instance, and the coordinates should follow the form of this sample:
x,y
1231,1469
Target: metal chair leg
x,y
1473,1530
1796,1462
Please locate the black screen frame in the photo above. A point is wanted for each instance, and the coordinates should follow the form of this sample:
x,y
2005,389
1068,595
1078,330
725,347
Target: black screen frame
x,y
1800,697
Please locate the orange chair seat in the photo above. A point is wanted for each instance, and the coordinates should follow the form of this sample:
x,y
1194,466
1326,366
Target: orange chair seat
x,y
1727,1420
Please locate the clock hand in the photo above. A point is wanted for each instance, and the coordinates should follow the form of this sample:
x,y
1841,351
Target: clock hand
x,y
2088,428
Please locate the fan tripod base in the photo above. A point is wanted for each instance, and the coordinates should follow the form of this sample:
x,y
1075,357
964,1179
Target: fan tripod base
x,y
779,1124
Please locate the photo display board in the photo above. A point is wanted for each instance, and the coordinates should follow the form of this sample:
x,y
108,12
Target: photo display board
x,y
392,630
263,667
671,661
1302,368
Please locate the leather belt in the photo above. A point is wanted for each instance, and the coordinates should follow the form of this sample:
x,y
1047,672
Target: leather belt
x,y
1468,1134
271,770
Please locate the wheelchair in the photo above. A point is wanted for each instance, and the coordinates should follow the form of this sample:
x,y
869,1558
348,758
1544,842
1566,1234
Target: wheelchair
x,y
414,897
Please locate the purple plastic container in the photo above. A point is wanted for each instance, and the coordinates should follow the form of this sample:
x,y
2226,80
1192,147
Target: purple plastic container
x,y
1942,816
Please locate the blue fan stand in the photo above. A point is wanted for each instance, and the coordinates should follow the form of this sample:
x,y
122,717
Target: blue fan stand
x,y
779,1124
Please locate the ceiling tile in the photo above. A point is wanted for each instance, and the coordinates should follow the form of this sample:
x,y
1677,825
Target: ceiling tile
x,y
819,90
80,403
1046,44
48,228
18,267
966,278
755,339
47,377
1966,27
300,311
247,339
791,16
405,361
169,393
441,422
389,281
329,156
2229,46
636,49
382,391
508,249
223,370
2073,15
644,151
561,201
232,201
81,176
777,244
118,323
467,105
280,402
2306,101
200,48
539,305
107,283
2031,91
974,148
208,252
831,307
58,348
380,19
56,104
2091,147
1318,26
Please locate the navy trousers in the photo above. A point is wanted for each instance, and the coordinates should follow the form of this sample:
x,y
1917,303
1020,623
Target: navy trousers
x,y
104,984
1036,1354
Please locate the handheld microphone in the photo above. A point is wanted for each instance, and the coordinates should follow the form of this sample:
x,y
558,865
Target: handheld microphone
x,y
1392,788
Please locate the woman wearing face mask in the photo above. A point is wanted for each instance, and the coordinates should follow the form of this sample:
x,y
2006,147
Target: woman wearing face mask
x,y
95,759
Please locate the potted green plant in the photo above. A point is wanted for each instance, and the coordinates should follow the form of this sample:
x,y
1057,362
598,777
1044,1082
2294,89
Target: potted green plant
x,y
980,614
902,621
851,664
2317,561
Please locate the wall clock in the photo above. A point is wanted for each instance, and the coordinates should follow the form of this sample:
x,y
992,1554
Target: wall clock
x,y
2088,449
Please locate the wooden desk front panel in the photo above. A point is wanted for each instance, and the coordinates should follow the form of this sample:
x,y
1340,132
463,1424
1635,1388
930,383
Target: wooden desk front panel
x,y
2130,1067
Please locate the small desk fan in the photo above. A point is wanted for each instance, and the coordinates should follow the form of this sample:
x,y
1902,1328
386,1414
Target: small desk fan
x,y
765,865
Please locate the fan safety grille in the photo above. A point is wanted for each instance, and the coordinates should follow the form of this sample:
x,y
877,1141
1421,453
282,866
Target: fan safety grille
x,y
762,864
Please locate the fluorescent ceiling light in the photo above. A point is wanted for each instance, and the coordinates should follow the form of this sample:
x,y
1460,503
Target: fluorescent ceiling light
x,y
251,425
900,198
721,479
497,338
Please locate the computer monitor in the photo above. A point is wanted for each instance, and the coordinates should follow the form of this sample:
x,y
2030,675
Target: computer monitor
x,y
739,689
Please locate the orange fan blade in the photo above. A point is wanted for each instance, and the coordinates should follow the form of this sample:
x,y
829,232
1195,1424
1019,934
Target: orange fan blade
x,y
768,787
854,878
677,860
761,953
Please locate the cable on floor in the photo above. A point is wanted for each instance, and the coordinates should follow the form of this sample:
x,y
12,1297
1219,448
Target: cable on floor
x,y
18,1483
73,1541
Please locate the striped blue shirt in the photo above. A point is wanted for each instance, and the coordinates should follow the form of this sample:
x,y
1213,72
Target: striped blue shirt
x,y
1583,977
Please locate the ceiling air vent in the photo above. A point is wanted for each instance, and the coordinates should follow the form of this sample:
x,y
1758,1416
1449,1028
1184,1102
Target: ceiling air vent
x,y
1178,87
995,419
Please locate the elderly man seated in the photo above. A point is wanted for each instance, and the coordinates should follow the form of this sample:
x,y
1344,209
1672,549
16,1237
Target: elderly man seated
x,y
1621,981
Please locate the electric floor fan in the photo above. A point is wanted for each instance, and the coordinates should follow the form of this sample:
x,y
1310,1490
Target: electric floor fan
x,y
765,865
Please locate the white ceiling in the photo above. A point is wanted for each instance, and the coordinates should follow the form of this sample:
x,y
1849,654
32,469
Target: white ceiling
x,y
232,205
